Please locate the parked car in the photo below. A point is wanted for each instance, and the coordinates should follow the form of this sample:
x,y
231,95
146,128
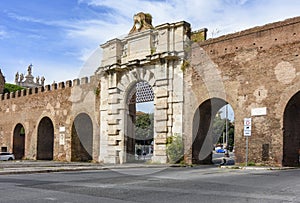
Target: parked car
x,y
6,156
220,150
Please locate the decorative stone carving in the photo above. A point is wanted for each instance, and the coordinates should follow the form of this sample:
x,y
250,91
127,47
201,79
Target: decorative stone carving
x,y
142,21
29,79
17,77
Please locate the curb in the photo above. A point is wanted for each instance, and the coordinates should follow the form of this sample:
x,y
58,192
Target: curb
x,y
256,168
49,169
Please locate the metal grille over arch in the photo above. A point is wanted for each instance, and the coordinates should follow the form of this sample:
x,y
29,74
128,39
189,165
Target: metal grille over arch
x,y
142,92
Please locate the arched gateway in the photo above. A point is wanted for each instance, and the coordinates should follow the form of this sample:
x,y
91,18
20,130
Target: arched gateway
x,y
255,71
154,56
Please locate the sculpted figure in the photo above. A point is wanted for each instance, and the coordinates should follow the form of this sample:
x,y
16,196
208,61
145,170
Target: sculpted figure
x,y
21,77
37,80
42,80
142,21
17,78
29,69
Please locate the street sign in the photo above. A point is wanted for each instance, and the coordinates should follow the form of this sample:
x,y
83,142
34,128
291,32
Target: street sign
x,y
247,134
247,121
247,126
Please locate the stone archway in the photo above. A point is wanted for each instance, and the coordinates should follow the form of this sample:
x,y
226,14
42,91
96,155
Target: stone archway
x,y
140,92
203,139
45,139
19,141
291,132
82,138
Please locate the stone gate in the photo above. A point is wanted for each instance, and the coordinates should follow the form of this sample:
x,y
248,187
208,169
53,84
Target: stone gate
x,y
187,77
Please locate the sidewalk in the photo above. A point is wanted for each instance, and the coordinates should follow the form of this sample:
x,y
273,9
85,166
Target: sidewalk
x,y
25,167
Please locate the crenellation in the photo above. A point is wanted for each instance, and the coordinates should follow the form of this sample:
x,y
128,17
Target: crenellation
x,y
84,80
12,95
61,85
76,82
68,83
93,79
48,88
41,89
23,92
36,90
54,86
29,91
18,93
6,96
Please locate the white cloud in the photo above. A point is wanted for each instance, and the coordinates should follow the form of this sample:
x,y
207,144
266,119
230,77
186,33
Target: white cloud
x,y
224,15
219,16
3,34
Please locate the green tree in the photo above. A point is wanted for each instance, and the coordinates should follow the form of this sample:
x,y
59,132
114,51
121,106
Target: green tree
x,y
219,129
11,88
144,127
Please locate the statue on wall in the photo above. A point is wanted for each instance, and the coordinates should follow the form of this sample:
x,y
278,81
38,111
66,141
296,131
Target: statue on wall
x,y
28,80
42,80
17,78
21,77
29,69
142,21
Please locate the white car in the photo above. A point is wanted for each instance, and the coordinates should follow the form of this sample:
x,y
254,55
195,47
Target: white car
x,y
6,156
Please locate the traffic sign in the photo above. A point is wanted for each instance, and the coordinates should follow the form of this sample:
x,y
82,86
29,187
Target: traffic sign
x,y
247,121
247,127
247,133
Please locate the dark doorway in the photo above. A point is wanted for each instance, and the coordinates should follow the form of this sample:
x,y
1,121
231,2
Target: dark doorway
x,y
209,128
45,139
82,138
291,132
19,141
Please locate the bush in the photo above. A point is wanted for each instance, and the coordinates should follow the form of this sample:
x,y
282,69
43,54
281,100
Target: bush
x,y
175,149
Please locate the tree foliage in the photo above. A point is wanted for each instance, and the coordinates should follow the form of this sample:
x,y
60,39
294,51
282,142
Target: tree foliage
x,y
144,127
219,129
11,88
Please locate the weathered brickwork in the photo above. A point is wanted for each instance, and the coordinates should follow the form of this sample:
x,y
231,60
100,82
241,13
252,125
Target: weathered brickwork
x,y
2,82
93,119
254,68
61,103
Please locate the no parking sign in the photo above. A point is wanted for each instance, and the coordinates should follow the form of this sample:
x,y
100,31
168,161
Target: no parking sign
x,y
247,126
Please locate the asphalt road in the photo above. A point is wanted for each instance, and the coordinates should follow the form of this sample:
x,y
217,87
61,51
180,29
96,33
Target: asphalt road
x,y
196,184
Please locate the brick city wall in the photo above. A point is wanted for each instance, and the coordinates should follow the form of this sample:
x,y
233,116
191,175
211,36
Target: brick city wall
x,y
60,102
254,68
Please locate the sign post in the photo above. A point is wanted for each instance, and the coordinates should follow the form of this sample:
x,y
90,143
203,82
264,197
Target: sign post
x,y
247,133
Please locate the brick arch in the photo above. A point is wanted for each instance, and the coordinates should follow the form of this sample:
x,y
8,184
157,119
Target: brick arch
x,y
291,131
45,139
19,141
130,118
202,141
82,138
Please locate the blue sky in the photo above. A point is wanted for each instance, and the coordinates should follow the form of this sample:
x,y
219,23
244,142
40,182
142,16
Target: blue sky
x,y
59,36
